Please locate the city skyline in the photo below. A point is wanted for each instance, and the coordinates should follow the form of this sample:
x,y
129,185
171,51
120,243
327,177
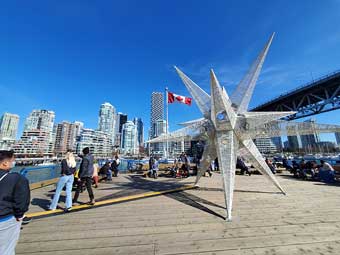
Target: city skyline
x,y
85,49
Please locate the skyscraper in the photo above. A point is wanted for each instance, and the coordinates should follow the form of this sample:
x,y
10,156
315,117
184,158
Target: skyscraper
x,y
129,143
121,119
8,130
106,121
140,130
157,110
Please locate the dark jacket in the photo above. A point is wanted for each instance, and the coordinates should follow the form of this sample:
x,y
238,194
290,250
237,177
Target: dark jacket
x,y
65,169
14,195
114,165
86,166
104,169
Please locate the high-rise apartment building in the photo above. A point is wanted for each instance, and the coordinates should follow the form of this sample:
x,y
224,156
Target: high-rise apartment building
x,y
107,119
265,145
79,127
99,142
33,143
65,137
140,130
40,120
129,142
38,132
8,130
309,141
121,119
293,143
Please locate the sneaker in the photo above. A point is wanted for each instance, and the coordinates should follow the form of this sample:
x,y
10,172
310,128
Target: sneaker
x,y
68,209
26,220
92,202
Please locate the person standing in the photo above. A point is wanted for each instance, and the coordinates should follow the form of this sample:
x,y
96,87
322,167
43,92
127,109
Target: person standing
x,y
68,168
14,202
85,175
114,166
155,168
95,174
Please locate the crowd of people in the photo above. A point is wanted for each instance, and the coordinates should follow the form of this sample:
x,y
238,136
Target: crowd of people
x,y
310,169
15,191
179,169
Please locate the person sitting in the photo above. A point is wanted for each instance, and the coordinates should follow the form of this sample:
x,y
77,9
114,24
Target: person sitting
x,y
242,166
271,166
309,169
295,168
185,164
286,164
326,172
104,172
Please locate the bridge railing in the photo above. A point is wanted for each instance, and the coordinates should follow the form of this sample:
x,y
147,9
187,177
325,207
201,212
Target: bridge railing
x,y
326,76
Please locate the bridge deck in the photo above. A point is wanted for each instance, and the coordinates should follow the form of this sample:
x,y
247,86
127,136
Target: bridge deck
x,y
306,221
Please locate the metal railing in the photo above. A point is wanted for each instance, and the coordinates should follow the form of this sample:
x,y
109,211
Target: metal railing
x,y
40,173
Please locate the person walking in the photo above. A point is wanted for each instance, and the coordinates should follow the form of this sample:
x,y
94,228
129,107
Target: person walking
x,y
85,175
14,202
68,168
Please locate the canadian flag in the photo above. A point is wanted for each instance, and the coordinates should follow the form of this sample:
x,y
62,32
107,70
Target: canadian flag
x,y
172,98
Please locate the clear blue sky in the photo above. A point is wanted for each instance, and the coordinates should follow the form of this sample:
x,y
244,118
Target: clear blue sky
x,y
71,56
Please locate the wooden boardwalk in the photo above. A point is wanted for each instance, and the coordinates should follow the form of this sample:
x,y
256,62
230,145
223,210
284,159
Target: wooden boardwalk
x,y
306,221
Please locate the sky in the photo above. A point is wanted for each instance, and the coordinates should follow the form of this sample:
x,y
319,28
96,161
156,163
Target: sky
x,y
72,56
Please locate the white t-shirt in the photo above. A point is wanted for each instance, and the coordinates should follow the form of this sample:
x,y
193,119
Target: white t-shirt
x,y
327,166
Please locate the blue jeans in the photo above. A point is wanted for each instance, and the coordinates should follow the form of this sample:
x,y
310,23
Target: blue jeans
x,y
109,175
64,180
9,235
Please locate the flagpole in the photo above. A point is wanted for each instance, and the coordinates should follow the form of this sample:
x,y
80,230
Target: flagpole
x,y
167,120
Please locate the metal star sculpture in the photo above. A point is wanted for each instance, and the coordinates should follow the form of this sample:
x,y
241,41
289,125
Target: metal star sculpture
x,y
229,129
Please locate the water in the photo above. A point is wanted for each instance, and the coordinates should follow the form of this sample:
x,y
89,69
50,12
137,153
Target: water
x,y
46,172
38,173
